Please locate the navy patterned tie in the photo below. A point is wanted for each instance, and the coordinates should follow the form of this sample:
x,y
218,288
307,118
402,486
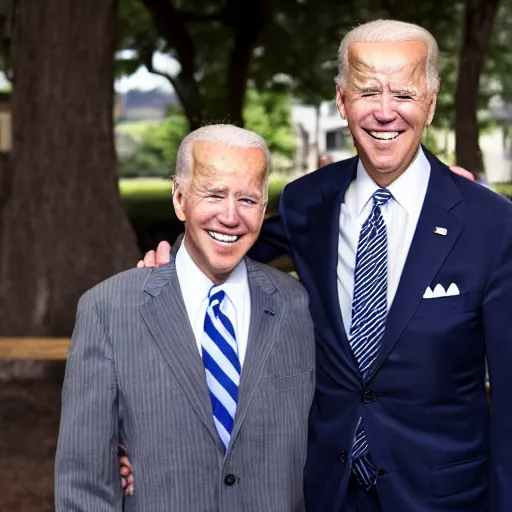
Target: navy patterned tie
x,y
221,364
369,310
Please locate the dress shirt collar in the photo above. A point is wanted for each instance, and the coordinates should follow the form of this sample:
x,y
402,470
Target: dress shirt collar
x,y
408,189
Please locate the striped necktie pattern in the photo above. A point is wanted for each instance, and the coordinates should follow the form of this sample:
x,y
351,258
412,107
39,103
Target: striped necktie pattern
x,y
369,311
221,364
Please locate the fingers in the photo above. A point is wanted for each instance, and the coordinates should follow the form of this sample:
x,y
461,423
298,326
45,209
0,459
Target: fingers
x,y
163,255
127,484
126,474
149,260
462,172
125,463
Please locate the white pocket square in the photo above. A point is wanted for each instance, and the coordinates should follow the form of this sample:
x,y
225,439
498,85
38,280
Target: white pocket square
x,y
439,291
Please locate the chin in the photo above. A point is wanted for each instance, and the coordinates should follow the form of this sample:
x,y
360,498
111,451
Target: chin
x,y
385,165
223,266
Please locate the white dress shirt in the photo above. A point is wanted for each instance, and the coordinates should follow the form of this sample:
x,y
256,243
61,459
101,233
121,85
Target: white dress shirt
x,y
401,216
195,287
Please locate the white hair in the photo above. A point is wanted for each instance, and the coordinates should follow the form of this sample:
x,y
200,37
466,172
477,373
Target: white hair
x,y
227,134
389,31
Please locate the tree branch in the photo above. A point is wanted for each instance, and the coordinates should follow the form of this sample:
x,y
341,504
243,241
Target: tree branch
x,y
171,27
188,106
148,62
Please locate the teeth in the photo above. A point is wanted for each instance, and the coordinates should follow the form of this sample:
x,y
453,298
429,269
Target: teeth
x,y
223,238
384,135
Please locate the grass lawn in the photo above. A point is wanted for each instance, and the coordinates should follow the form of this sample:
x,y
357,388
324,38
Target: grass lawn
x,y
504,188
150,199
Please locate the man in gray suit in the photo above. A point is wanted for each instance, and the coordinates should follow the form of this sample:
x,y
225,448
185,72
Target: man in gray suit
x,y
202,368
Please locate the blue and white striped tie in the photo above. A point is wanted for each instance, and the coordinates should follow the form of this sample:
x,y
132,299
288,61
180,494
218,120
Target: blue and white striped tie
x,y
369,310
221,364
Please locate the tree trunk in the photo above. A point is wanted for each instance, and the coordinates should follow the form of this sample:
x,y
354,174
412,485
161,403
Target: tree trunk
x,y
478,23
247,25
63,227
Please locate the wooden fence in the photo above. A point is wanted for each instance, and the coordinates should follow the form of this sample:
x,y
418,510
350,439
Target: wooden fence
x,y
42,349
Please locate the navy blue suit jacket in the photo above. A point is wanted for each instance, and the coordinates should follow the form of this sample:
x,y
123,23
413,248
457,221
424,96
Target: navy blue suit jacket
x,y
425,411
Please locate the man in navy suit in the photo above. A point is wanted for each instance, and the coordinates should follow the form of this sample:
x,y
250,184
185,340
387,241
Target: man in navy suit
x,y
409,272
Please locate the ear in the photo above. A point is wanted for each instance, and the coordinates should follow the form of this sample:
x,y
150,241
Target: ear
x,y
432,107
340,102
178,199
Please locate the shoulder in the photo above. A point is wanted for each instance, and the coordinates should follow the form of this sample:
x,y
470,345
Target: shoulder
x,y
473,201
289,287
119,289
483,206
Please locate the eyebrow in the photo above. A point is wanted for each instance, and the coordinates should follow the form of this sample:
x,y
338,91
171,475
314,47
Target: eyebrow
x,y
408,91
214,190
368,88
250,195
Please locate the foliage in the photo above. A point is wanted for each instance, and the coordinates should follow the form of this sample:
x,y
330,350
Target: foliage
x,y
268,113
157,147
295,49
504,189
432,139
499,56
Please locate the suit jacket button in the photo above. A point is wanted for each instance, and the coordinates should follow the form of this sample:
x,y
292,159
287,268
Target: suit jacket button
x,y
369,397
343,457
230,480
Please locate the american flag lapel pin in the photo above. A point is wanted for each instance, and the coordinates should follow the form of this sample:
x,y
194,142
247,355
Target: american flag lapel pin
x,y
440,231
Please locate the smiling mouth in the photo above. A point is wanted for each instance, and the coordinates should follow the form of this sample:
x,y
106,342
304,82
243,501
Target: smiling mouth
x,y
383,135
227,239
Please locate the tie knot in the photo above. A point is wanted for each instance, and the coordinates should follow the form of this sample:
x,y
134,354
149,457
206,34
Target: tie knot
x,y
215,297
381,197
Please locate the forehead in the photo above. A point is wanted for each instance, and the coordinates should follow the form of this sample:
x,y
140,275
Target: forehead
x,y
216,160
397,59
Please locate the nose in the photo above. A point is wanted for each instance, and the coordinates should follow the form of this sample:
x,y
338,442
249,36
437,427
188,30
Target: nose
x,y
385,112
229,214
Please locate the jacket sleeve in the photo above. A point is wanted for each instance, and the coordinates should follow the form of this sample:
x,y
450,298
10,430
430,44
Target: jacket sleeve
x,y
273,242
87,465
497,318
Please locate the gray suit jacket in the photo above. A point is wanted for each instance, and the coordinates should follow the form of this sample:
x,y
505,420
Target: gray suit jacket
x,y
134,375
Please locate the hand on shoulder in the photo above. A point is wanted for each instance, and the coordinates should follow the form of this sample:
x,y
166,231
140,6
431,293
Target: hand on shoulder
x,y
156,258
462,172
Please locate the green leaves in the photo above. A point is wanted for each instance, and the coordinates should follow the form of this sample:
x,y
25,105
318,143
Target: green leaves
x,y
156,148
268,114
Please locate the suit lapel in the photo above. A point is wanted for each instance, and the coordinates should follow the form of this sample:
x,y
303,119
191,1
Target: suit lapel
x,y
266,316
324,226
167,319
426,255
